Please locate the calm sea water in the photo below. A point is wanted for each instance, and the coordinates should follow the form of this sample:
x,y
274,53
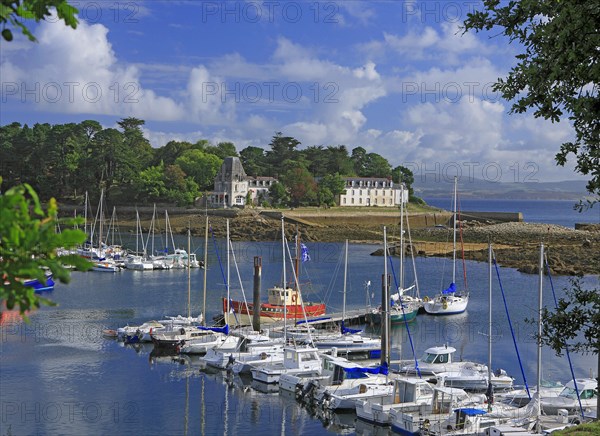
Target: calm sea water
x,y
559,212
59,376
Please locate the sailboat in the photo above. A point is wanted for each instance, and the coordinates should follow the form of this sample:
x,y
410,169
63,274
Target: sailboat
x,y
297,360
281,302
348,340
179,259
450,301
194,331
403,307
479,377
98,255
135,261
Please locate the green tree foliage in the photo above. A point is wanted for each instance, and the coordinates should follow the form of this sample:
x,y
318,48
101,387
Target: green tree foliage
x,y
108,162
315,158
254,161
338,161
283,148
135,145
376,165
202,167
325,197
170,152
181,189
28,244
63,158
15,12
321,161
402,174
359,160
12,153
575,323
168,183
150,184
225,149
558,71
334,183
278,195
301,186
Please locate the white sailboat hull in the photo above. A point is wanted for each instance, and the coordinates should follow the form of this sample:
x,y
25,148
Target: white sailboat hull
x,y
446,305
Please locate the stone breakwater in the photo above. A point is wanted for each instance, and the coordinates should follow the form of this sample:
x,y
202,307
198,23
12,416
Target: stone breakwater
x,y
516,244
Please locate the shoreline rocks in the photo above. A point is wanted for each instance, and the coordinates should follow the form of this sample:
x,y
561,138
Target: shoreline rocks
x,y
516,244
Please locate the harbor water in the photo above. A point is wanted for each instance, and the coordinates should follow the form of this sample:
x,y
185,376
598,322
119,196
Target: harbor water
x,y
60,376
560,212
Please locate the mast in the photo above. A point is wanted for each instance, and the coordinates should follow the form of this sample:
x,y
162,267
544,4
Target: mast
x,y
166,233
189,269
153,227
137,230
297,259
454,234
100,218
85,215
401,243
205,271
227,284
539,337
114,224
284,282
385,305
489,323
345,280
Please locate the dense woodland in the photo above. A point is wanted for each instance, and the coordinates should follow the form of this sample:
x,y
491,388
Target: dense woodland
x,y
65,160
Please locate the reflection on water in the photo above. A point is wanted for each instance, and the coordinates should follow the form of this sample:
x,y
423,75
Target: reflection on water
x,y
60,376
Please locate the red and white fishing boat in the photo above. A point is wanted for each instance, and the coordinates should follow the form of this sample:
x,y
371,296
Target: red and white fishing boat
x,y
280,303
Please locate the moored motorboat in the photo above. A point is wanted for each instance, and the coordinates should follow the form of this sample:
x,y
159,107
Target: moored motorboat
x,y
41,286
296,360
567,399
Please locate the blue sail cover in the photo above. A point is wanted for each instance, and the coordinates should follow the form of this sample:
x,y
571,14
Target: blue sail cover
x,y
470,411
381,369
216,329
346,330
450,290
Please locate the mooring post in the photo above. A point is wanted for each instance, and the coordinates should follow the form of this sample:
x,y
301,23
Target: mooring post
x,y
256,297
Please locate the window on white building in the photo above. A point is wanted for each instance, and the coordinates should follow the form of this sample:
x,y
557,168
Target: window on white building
x,y
353,201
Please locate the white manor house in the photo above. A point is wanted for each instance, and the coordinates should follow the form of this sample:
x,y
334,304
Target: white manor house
x,y
373,191
233,188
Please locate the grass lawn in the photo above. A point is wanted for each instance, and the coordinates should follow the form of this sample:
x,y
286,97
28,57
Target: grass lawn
x,y
592,428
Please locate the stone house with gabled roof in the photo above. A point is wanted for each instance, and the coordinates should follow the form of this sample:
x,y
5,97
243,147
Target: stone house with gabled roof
x,y
233,187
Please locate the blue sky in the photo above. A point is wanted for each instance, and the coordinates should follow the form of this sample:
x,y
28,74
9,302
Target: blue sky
x,y
397,78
